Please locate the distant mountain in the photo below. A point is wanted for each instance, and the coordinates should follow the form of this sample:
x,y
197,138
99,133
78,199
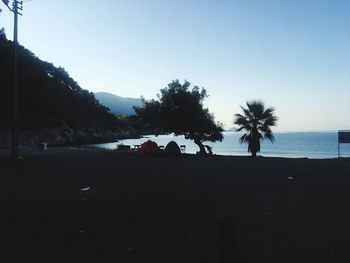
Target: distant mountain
x,y
118,105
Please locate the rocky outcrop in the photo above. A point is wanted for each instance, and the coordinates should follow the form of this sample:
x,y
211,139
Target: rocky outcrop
x,y
66,136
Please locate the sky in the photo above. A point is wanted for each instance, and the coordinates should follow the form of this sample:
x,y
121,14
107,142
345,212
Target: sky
x,y
292,54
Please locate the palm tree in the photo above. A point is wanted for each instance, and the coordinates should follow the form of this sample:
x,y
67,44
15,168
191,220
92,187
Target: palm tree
x,y
256,121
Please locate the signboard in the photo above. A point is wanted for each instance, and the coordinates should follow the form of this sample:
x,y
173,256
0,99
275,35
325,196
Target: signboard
x,y
343,136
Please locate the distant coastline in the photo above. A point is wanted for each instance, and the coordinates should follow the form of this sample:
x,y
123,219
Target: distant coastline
x,y
66,136
316,144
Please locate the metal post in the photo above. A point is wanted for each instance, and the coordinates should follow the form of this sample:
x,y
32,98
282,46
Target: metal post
x,y
15,85
338,144
16,6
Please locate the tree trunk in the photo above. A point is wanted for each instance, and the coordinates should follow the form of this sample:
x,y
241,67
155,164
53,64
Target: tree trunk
x,y
252,147
201,147
255,141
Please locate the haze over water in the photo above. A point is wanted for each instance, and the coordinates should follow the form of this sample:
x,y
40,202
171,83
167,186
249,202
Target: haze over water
x,y
289,144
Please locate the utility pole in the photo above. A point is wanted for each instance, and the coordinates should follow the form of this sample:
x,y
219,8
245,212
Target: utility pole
x,y
17,6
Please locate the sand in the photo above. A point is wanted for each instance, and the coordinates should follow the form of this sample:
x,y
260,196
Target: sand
x,y
83,205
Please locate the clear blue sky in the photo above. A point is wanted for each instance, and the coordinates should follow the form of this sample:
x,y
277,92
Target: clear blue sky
x,y
292,54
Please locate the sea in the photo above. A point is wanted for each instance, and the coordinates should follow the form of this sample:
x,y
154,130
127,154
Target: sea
x,y
316,145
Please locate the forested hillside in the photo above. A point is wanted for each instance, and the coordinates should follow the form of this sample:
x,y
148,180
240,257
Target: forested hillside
x,y
53,108
48,96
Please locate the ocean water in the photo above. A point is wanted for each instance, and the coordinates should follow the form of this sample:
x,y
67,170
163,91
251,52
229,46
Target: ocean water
x,y
318,145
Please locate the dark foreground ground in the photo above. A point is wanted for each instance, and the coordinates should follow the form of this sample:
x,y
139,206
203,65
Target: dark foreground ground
x,y
159,209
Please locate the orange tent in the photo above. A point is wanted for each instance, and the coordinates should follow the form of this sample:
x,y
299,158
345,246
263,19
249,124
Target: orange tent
x,y
149,148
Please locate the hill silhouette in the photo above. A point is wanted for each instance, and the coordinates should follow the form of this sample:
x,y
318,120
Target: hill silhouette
x,y
50,99
118,105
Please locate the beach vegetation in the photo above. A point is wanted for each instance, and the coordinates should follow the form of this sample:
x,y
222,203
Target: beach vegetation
x,y
256,121
179,109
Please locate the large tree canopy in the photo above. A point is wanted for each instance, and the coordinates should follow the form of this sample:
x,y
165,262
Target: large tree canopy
x,y
180,110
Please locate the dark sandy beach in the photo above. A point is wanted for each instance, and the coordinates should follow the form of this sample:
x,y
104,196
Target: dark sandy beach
x,y
162,209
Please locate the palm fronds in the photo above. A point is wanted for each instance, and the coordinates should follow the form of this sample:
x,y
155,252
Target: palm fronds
x,y
256,121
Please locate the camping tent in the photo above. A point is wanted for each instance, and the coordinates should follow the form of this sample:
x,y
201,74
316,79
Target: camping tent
x,y
149,148
172,148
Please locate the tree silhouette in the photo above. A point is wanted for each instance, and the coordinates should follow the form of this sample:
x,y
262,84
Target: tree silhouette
x,y
256,121
2,30
180,110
